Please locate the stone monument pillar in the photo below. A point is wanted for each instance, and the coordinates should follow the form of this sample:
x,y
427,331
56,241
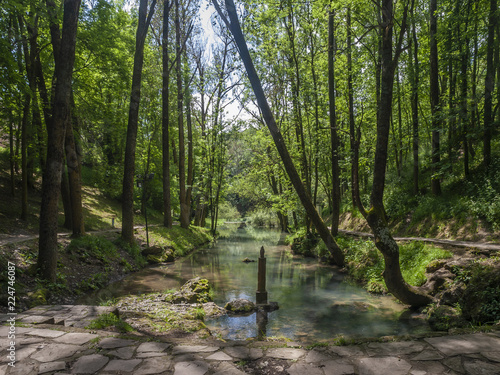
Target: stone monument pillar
x,y
261,298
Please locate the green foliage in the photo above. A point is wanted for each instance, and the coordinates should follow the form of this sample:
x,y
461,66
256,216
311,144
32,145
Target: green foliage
x,y
134,250
262,217
88,247
477,198
414,258
182,241
480,302
365,264
110,320
228,212
93,282
305,243
198,313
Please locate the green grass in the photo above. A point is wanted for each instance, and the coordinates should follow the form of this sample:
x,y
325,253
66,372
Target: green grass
x,y
365,263
181,240
110,320
93,247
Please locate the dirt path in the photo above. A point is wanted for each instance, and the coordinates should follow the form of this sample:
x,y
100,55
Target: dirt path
x,y
486,246
7,240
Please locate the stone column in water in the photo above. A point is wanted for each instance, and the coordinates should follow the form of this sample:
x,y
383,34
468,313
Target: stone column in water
x,y
261,297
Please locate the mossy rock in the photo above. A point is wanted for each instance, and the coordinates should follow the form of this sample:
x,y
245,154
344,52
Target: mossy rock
x,y
240,306
159,254
38,297
193,291
435,265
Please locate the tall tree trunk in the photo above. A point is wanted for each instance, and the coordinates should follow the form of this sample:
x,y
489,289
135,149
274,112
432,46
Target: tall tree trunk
x,y
464,113
167,205
66,200
10,119
235,28
51,184
376,216
297,109
184,218
133,118
434,94
73,162
24,157
334,140
489,83
415,78
25,122
354,136
190,166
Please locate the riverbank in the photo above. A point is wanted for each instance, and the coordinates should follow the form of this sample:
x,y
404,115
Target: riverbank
x,y
51,341
461,276
90,262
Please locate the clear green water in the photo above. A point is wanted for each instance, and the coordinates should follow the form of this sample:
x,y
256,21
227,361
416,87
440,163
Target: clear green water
x,y
315,303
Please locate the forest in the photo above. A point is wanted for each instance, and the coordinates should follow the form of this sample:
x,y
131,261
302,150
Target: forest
x,y
293,113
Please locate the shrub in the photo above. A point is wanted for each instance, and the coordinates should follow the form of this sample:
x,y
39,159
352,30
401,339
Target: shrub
x,y
228,212
481,300
262,217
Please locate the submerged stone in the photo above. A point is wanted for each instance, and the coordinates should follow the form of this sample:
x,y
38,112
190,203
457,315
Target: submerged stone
x,y
240,306
159,254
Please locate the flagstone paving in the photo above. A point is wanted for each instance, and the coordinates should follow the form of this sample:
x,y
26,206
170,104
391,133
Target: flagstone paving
x,y
65,349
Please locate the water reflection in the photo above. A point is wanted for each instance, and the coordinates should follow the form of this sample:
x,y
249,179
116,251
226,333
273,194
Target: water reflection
x,y
315,304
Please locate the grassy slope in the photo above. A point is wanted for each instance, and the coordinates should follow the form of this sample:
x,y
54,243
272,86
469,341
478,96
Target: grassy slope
x,y
84,264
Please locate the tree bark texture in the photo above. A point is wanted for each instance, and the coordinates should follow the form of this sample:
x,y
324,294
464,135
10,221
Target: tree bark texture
x,y
334,139
184,218
73,162
489,83
165,119
376,217
51,184
415,73
434,95
133,119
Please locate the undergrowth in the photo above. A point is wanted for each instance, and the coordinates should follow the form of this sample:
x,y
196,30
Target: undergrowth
x,y
476,197
182,241
110,320
365,264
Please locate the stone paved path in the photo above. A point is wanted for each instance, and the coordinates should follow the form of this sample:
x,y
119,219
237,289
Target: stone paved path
x,y
51,342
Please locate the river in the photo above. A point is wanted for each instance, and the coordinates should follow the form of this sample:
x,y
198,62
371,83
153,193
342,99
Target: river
x,y
315,303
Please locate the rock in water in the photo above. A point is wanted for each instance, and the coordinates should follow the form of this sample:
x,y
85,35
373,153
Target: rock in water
x,y
159,254
240,306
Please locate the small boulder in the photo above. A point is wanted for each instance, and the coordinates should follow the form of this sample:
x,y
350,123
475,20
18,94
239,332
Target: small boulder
x,y
159,254
240,306
437,280
452,295
193,291
248,260
435,265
